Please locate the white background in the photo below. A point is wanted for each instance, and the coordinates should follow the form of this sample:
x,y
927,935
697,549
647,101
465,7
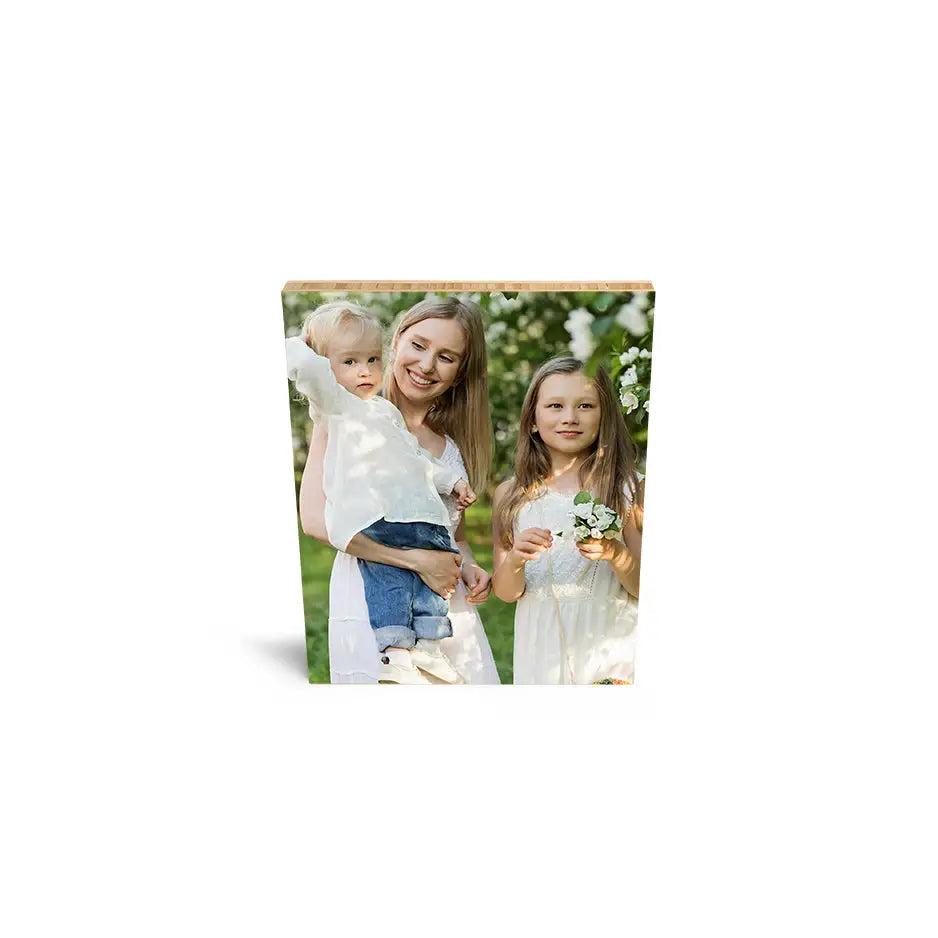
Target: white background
x,y
169,771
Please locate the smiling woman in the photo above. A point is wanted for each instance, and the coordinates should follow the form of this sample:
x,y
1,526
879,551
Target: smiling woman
x,y
439,365
461,403
428,354
374,633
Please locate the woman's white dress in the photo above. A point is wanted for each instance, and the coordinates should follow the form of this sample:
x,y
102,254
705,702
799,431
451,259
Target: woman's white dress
x,y
575,622
353,655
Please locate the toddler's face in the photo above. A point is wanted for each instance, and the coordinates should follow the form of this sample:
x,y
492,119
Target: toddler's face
x,y
355,357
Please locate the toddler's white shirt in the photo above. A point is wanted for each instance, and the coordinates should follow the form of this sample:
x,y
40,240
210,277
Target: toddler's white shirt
x,y
374,467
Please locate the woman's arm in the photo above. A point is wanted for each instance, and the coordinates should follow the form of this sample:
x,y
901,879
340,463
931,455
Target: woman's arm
x,y
312,496
477,580
439,569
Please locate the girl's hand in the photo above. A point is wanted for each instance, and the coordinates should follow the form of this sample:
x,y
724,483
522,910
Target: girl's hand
x,y
600,548
464,495
531,543
439,569
478,583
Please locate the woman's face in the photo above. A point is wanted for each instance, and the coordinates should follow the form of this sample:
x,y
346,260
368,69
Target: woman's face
x,y
428,358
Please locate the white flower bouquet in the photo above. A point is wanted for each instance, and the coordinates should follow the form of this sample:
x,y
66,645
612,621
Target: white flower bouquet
x,y
592,519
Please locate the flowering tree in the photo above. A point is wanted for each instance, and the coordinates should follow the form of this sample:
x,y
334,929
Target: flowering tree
x,y
619,339
523,330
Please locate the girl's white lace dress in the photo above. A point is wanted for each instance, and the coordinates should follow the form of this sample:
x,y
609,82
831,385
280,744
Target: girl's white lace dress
x,y
575,623
353,655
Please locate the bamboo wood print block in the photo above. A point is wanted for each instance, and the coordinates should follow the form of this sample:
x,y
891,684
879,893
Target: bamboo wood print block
x,y
524,324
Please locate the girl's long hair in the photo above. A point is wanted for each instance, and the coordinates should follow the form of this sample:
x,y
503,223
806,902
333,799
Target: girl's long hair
x,y
609,470
462,411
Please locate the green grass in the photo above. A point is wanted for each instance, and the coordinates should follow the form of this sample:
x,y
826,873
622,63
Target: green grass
x,y
316,565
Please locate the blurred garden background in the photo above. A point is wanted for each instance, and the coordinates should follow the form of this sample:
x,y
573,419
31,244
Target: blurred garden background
x,y
523,330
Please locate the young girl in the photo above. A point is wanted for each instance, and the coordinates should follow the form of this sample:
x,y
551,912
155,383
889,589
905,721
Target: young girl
x,y
378,481
577,602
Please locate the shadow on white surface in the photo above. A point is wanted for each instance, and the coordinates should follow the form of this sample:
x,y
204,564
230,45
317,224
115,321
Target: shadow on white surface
x,y
288,653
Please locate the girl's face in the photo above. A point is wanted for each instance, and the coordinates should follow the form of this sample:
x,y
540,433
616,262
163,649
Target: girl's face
x,y
428,358
567,413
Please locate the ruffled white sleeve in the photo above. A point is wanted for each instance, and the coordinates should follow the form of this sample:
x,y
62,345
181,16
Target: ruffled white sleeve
x,y
444,478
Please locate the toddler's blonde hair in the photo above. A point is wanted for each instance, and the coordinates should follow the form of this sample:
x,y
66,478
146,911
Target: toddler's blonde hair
x,y
321,325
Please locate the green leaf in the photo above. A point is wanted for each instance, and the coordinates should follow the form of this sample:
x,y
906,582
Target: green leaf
x,y
601,325
581,498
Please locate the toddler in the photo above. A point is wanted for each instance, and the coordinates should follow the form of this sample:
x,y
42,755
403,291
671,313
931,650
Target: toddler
x,y
378,481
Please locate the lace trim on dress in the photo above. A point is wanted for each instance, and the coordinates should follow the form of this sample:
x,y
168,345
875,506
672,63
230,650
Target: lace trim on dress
x,y
452,459
352,677
566,575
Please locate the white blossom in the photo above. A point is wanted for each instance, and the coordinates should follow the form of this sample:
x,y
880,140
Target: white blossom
x,y
645,405
593,519
629,376
626,358
605,515
579,316
639,300
629,401
581,336
631,318
584,510
644,353
499,303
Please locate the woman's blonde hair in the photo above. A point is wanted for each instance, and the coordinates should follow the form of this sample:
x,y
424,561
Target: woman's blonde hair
x,y
462,411
609,470
321,325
